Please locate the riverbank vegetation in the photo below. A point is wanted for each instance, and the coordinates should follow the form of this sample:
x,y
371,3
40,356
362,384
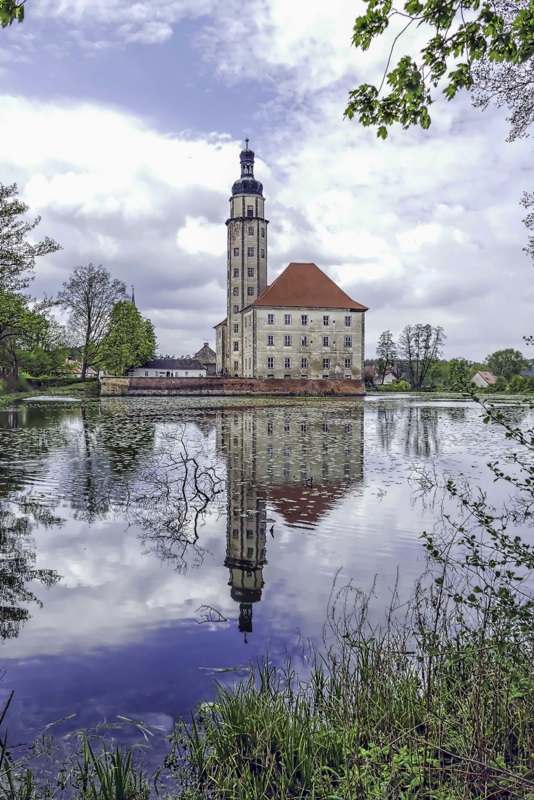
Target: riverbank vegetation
x,y
435,703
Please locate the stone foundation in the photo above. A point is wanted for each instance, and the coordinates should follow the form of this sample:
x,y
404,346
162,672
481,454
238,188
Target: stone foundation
x,y
113,387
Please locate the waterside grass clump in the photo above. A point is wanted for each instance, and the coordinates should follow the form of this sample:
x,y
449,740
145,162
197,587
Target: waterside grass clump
x,y
409,713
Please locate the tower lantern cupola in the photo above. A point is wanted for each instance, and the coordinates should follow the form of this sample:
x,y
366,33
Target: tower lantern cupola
x,y
247,184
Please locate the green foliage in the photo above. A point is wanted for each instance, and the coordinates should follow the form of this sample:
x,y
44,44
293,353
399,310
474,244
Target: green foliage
x,y
400,386
17,254
506,362
89,296
386,353
459,374
130,340
420,347
11,11
460,33
20,320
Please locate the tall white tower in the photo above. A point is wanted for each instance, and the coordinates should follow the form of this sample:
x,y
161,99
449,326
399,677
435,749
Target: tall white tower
x,y
247,255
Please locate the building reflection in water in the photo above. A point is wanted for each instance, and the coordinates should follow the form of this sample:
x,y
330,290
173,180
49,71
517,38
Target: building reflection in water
x,y
301,462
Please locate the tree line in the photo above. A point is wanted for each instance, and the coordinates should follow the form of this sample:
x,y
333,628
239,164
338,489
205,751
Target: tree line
x,y
416,357
104,328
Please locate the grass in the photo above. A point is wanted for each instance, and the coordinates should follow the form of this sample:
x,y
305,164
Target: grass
x,y
77,389
419,711
383,715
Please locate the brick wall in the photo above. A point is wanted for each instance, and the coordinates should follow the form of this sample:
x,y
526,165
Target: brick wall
x,y
111,387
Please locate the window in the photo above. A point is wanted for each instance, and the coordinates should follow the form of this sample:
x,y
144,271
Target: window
x,y
270,319
236,366
304,363
348,341
287,426
251,230
348,322
250,272
250,211
236,273
250,534
235,533
146,373
304,319
250,552
270,364
270,428
269,451
270,340
287,363
236,346
235,291
326,363
304,341
325,427
262,252
250,251
287,341
326,320
304,427
236,327
263,233
236,309
236,251
347,363
287,319
326,341
250,291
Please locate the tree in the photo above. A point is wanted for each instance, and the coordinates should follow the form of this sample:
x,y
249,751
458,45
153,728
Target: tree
x,y
10,11
17,255
386,352
506,362
459,374
460,34
89,296
419,347
130,340
18,316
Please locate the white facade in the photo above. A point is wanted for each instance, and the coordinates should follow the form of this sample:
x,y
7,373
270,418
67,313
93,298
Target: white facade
x,y
302,326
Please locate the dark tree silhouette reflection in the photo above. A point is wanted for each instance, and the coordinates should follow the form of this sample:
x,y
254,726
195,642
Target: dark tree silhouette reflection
x,y
173,495
17,562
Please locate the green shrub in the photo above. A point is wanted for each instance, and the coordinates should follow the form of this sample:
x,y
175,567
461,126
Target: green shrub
x,y
13,385
401,386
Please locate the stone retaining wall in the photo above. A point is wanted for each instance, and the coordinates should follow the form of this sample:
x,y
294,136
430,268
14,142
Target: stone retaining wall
x,y
113,387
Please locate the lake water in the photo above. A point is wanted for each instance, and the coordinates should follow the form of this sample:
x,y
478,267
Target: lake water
x,y
122,593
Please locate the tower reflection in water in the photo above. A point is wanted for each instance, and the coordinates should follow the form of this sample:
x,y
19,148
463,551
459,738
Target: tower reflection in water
x,y
298,461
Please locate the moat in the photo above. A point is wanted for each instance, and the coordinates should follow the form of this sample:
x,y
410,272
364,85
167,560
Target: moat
x,y
147,544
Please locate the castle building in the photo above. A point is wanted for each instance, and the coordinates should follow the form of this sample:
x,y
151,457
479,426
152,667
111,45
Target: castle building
x,y
302,325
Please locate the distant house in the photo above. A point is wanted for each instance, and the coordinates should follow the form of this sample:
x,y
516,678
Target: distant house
x,y
374,376
170,368
483,379
527,373
208,357
74,368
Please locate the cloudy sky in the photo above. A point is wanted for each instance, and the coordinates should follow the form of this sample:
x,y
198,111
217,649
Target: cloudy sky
x,y
122,122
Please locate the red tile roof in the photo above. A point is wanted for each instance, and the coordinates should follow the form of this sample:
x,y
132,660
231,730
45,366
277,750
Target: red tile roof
x,y
489,377
305,286
224,322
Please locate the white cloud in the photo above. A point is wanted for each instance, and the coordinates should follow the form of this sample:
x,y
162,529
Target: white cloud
x,y
199,236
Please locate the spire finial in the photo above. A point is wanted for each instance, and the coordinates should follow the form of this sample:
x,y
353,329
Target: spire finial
x,y
133,295
246,143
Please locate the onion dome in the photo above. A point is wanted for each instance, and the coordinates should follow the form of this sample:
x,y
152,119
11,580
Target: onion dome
x,y
247,184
